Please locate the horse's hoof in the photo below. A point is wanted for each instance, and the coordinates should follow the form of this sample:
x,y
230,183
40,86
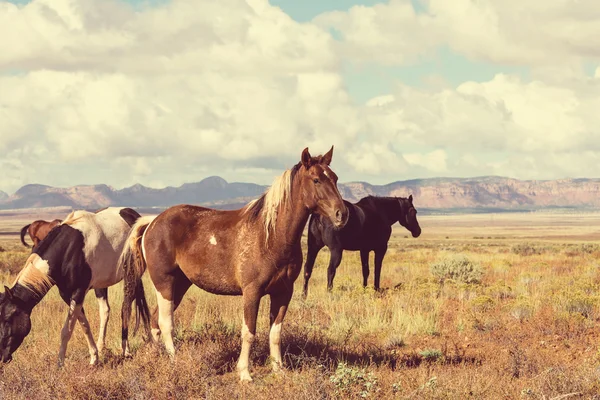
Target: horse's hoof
x,y
245,377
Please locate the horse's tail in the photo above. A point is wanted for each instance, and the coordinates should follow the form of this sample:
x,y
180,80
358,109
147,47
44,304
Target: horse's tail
x,y
23,232
133,265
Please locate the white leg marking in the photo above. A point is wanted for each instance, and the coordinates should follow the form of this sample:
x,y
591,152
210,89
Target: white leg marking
x,y
165,322
89,337
213,240
67,330
104,310
275,346
155,334
244,361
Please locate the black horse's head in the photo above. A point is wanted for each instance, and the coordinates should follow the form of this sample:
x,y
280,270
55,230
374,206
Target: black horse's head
x,y
15,324
408,216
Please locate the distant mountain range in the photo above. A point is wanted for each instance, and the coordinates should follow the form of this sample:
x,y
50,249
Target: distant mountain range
x,y
481,193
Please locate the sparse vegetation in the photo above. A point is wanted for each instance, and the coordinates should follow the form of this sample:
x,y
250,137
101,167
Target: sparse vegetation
x,y
457,267
526,326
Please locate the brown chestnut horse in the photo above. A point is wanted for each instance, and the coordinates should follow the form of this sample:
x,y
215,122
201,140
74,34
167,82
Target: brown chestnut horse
x,y
252,252
38,230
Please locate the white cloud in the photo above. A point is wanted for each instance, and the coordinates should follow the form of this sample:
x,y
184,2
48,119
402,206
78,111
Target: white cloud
x,y
534,32
95,91
224,84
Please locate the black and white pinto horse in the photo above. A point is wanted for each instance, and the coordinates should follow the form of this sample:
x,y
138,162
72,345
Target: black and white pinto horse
x,y
78,255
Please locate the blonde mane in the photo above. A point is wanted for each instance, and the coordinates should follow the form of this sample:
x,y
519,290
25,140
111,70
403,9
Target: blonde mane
x,y
75,216
276,197
32,278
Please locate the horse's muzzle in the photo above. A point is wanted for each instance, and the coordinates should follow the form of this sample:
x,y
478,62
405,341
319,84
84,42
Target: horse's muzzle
x,y
341,218
6,358
416,233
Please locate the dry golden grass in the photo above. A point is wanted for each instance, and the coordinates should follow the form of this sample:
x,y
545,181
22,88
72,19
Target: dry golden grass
x,y
528,329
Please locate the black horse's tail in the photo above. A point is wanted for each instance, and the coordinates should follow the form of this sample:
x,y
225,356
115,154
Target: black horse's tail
x,y
23,233
133,265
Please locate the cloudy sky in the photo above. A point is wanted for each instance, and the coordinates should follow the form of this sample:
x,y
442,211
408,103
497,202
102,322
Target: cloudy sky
x,y
164,92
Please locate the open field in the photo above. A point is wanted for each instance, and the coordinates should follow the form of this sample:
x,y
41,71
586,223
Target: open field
x,y
520,320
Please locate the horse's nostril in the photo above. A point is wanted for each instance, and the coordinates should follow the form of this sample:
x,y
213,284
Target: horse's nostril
x,y
338,215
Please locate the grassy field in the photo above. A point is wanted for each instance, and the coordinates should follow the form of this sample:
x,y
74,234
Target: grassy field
x,y
480,306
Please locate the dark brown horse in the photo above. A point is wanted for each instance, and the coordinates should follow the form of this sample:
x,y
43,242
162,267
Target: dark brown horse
x,y
368,229
250,252
38,230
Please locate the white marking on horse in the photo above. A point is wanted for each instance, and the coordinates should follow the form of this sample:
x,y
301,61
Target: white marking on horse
x,y
275,347
244,361
213,240
104,235
165,321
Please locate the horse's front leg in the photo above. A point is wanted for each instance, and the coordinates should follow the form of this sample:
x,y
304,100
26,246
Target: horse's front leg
x,y
104,310
279,306
67,330
251,299
364,260
379,254
335,258
89,337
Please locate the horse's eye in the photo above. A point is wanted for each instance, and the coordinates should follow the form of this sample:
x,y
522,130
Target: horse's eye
x,y
315,180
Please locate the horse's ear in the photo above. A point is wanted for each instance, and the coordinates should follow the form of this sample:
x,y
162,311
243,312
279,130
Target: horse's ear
x,y
327,157
7,293
306,158
410,198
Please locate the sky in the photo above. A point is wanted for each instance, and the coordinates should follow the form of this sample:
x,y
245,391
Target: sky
x,y
165,92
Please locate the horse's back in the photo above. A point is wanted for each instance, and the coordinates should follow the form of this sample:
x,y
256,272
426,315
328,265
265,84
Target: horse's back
x,y
206,244
104,235
365,229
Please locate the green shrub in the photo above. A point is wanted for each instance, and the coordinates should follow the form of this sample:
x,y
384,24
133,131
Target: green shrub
x,y
13,261
351,381
527,249
431,355
458,268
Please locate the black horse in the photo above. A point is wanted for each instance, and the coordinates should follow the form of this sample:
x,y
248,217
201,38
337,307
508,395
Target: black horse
x,y
368,229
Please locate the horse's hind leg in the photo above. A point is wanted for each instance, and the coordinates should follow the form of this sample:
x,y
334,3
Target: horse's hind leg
x,y
279,306
314,246
379,254
334,261
364,260
169,293
104,310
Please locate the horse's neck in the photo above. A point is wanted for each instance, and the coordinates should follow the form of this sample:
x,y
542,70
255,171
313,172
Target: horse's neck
x,y
27,297
290,224
32,284
385,209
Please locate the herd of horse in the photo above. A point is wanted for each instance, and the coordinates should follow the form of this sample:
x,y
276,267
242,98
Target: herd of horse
x,y
250,252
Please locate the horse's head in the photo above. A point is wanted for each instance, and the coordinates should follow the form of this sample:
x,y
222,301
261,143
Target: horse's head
x,y
319,188
15,324
408,216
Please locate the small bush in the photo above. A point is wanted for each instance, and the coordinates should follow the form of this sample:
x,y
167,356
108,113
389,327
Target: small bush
x,y
13,261
482,303
354,381
583,249
527,249
431,355
458,268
